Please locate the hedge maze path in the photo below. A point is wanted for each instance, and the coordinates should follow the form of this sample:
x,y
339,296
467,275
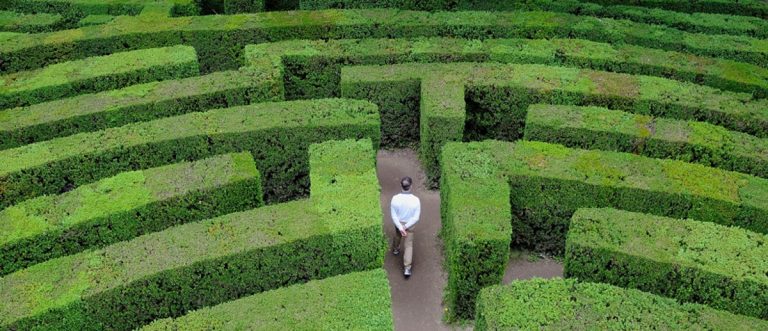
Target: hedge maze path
x,y
210,164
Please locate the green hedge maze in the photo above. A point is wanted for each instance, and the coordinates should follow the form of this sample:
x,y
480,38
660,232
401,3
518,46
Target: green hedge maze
x,y
211,164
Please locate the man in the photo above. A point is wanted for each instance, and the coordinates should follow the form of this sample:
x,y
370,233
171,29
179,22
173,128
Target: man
x,y
405,209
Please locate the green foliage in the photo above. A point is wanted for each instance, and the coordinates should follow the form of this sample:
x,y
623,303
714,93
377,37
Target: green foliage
x,y
205,263
74,10
32,23
277,135
357,301
559,304
219,39
126,206
722,267
95,20
603,129
143,102
97,74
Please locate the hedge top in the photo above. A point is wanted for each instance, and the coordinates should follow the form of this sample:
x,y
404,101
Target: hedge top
x,y
728,251
120,193
219,121
567,304
358,300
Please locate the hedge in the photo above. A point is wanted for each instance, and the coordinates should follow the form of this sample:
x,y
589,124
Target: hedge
x,y
95,20
495,98
74,10
199,264
126,206
97,74
558,304
277,135
549,182
689,141
32,23
756,8
143,102
355,301
219,39
312,68
691,261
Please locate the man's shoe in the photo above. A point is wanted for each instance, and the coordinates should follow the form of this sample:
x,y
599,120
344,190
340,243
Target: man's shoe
x,y
395,251
407,272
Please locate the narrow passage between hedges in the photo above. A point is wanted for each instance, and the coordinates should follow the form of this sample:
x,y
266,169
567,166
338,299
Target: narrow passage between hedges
x,y
417,302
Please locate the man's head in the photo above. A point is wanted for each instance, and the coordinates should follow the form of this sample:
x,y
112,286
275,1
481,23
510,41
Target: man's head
x,y
405,183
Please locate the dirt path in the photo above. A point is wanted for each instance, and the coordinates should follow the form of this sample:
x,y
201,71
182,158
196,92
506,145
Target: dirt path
x,y
417,301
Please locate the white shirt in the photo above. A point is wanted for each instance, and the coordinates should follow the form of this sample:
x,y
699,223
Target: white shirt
x,y
405,208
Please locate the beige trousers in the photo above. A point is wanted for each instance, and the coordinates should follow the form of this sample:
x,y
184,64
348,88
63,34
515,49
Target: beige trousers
x,y
408,252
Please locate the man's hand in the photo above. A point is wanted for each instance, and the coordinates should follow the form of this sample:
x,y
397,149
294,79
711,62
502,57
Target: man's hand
x,y
403,233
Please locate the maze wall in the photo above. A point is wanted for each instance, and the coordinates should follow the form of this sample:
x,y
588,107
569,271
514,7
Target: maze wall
x,y
179,164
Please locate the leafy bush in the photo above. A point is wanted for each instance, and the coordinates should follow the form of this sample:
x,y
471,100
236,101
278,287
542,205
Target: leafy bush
x,y
691,261
359,300
194,265
277,134
126,206
97,74
143,102
74,10
32,23
567,304
604,129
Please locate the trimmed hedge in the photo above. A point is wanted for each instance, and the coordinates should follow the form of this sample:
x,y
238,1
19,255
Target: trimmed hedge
x,y
496,97
95,20
205,263
756,8
143,102
97,74
687,260
219,39
74,10
356,301
604,129
559,304
126,206
312,68
32,23
277,135
549,182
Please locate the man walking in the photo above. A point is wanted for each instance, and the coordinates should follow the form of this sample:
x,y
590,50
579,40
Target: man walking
x,y
405,209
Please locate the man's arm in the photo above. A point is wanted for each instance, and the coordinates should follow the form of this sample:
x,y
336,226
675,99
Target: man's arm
x,y
393,212
416,216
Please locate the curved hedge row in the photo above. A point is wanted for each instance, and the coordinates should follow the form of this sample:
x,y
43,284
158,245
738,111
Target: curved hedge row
x,y
219,39
73,10
124,207
213,261
549,182
143,102
277,134
355,301
32,23
97,74
613,130
567,304
688,260
490,101
312,68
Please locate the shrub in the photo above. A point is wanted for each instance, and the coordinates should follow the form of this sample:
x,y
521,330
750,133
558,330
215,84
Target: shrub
x,y
690,261
73,10
603,129
126,206
200,264
277,135
359,300
143,102
549,182
32,23
567,304
97,74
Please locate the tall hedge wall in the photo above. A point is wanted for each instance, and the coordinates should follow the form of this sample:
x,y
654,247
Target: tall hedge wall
x,y
126,206
200,264
549,182
559,304
722,267
142,102
355,301
277,134
604,129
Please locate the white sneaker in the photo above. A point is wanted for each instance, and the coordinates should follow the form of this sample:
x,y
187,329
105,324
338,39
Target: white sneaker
x,y
407,272
395,251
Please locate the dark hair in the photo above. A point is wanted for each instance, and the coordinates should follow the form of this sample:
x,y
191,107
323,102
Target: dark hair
x,y
405,183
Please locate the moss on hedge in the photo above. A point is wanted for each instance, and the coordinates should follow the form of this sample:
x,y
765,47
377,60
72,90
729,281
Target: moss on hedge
x,y
126,206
